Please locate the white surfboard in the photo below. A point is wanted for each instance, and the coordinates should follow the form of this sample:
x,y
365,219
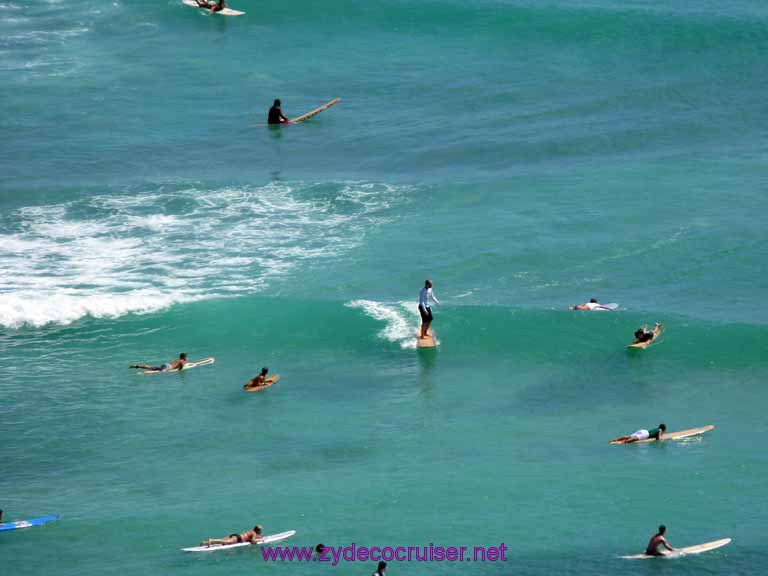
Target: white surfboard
x,y
225,12
187,366
678,552
271,539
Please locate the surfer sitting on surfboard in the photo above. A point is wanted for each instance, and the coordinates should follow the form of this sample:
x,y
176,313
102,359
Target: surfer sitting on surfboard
x,y
658,540
645,335
217,7
259,380
276,114
175,365
252,536
425,311
642,434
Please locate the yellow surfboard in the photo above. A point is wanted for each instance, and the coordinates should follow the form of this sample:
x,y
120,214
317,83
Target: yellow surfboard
x,y
428,342
314,112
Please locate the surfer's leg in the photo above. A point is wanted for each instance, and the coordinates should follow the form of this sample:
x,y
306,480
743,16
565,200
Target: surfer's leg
x,y
143,367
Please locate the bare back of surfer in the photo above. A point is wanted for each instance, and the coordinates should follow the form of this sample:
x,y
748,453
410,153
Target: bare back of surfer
x,y
657,540
275,115
168,366
426,296
218,6
251,536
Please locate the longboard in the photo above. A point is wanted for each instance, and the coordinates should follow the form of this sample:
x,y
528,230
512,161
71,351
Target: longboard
x,y
266,540
225,12
698,549
428,342
17,524
647,342
670,435
267,383
187,366
314,112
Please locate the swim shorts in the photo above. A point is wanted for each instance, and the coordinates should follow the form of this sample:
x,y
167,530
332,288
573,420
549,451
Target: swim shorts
x,y
640,435
426,315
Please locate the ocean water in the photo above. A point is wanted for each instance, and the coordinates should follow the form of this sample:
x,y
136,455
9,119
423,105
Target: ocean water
x,y
524,155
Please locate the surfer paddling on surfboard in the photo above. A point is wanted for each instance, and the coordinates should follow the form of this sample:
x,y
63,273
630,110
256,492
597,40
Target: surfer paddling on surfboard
x,y
645,335
593,304
276,115
252,536
658,540
175,365
656,433
425,311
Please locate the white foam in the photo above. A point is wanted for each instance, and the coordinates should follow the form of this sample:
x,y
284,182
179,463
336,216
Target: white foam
x,y
399,323
109,255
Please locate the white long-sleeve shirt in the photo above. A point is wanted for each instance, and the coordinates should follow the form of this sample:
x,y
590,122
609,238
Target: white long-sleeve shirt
x,y
425,296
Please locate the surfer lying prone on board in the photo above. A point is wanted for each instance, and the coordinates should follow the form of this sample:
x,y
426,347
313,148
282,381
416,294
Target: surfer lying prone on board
x,y
643,435
175,365
276,115
252,536
658,540
593,304
645,335
217,7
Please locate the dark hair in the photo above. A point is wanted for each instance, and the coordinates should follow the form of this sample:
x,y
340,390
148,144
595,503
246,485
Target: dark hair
x,y
264,370
277,102
257,528
593,300
319,548
427,283
382,565
183,355
663,427
662,529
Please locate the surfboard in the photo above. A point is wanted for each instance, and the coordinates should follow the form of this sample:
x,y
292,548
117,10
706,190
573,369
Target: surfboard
x,y
600,307
266,540
267,383
698,549
670,435
187,366
648,342
225,12
314,112
18,524
428,342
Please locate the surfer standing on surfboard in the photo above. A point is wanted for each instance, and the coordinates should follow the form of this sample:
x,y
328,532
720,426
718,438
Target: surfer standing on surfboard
x,y
276,114
658,540
425,311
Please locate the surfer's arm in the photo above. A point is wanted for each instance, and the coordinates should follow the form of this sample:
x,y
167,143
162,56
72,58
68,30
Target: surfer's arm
x,y
666,544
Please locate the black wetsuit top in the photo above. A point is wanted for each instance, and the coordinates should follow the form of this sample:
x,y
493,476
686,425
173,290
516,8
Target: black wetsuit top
x,y
275,115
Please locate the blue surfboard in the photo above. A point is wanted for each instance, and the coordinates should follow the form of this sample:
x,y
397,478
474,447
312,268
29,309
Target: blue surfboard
x,y
28,523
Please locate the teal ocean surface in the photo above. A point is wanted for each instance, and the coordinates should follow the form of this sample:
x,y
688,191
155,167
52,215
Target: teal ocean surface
x,y
524,155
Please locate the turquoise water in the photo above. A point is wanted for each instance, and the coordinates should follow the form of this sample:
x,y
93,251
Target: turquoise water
x,y
524,155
